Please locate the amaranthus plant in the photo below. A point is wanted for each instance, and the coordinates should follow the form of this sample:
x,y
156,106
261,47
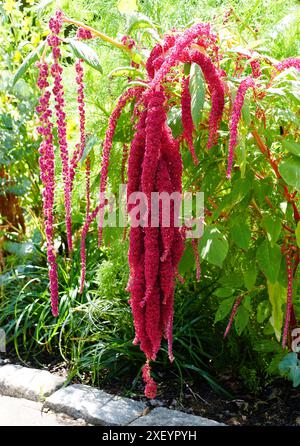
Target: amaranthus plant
x,y
251,210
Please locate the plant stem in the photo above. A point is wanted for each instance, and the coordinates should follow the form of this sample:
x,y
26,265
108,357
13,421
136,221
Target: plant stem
x,y
102,36
266,151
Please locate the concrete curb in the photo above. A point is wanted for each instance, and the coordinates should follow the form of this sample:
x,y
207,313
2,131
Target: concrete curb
x,y
32,384
88,403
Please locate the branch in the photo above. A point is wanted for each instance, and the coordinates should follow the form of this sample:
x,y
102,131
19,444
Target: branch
x,y
102,36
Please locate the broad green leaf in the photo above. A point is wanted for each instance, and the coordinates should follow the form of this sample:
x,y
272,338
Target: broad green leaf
x,y
262,189
197,91
289,169
138,20
269,259
298,234
292,147
84,51
231,280
223,292
241,234
187,261
241,319
263,311
272,225
28,61
127,6
213,246
224,309
250,276
277,295
247,302
175,121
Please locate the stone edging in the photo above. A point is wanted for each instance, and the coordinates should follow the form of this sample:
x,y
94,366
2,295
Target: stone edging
x,y
92,405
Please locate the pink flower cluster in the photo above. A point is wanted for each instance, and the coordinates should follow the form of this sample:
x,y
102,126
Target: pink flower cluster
x,y
232,315
47,166
183,40
53,40
80,100
89,219
84,34
256,68
235,118
288,63
128,41
151,386
187,120
123,100
216,89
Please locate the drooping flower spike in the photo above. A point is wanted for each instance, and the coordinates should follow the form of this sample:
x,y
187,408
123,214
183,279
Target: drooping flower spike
x,y
288,63
235,118
47,167
123,100
53,41
232,315
187,120
216,89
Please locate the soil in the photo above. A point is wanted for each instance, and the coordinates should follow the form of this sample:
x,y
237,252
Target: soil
x,y
278,404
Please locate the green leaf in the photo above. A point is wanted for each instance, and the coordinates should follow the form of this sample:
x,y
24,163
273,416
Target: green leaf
x,y
197,91
223,292
213,246
91,141
250,276
289,169
277,294
297,232
187,260
269,259
85,52
291,146
28,61
224,309
241,154
124,71
241,319
175,121
272,225
241,234
138,20
186,69
267,346
263,311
